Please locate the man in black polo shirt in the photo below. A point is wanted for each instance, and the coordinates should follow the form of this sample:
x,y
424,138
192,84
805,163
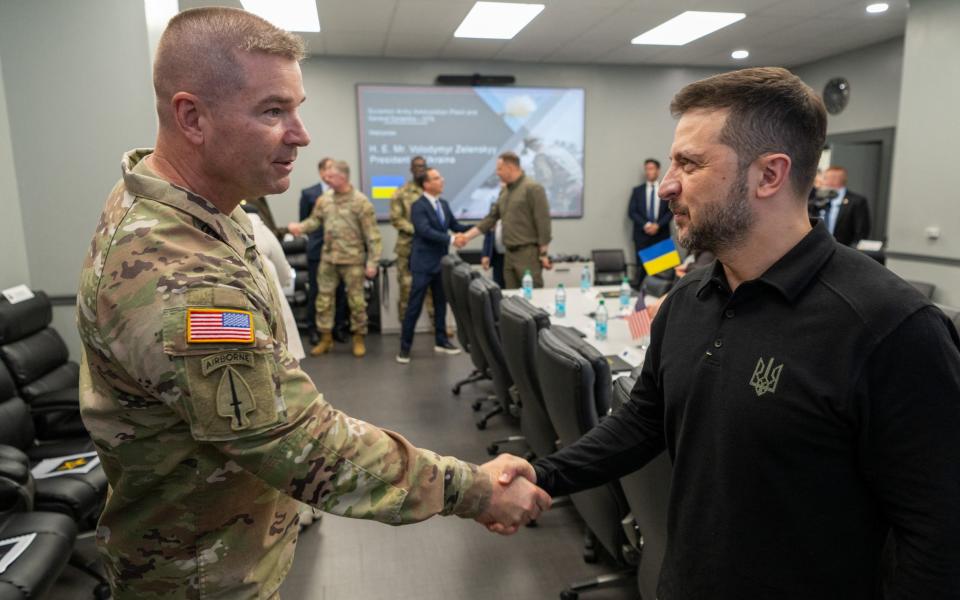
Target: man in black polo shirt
x,y
809,398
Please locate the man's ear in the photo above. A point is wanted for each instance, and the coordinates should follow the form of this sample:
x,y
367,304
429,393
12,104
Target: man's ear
x,y
188,115
774,172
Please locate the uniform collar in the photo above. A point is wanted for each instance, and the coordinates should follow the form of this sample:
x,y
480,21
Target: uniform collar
x,y
516,182
234,229
793,272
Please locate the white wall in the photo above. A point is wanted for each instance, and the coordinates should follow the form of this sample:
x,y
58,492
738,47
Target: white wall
x,y
874,74
78,94
627,120
13,255
924,190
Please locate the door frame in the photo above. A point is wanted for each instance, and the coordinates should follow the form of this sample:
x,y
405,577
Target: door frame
x,y
885,137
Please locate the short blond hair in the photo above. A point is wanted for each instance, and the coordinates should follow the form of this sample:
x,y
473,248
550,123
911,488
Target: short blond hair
x,y
342,167
198,53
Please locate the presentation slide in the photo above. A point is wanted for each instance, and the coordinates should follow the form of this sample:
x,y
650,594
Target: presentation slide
x,y
461,131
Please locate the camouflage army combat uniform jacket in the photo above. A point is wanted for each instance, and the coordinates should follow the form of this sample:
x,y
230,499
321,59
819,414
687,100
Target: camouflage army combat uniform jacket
x,y
400,206
206,426
350,232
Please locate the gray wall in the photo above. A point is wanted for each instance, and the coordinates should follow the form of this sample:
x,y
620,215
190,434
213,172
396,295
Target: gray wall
x,y
77,96
924,188
13,255
874,74
627,120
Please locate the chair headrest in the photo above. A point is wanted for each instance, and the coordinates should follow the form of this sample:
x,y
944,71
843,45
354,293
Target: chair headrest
x,y
621,391
7,388
19,320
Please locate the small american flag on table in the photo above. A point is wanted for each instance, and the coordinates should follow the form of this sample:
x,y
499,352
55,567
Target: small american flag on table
x,y
211,325
639,320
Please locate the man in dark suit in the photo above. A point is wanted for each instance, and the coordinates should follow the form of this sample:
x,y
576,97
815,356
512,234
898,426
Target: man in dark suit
x,y
308,198
847,216
432,220
492,254
650,215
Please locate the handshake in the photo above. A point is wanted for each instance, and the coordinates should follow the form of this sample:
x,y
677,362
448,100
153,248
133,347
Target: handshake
x,y
516,500
460,240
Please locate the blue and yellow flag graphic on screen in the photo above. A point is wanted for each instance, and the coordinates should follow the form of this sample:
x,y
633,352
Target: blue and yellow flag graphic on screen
x,y
383,187
659,257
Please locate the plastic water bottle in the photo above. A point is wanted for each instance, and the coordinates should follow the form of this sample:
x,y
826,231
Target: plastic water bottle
x,y
527,284
585,279
624,295
601,320
561,300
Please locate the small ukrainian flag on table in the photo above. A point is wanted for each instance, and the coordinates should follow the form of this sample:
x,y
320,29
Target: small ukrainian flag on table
x,y
383,187
659,257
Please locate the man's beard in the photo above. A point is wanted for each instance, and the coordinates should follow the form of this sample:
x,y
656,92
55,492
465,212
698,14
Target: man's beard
x,y
720,225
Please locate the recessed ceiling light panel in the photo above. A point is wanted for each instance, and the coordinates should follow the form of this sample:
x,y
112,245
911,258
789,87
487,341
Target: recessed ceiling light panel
x,y
686,27
879,7
739,54
497,20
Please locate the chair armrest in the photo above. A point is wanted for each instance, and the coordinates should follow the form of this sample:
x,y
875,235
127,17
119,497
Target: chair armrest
x,y
11,454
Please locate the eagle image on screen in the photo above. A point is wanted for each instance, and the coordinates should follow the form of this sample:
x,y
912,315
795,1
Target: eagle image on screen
x,y
461,131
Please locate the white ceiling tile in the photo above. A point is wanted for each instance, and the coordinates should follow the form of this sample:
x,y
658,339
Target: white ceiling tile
x,y
356,15
584,31
349,43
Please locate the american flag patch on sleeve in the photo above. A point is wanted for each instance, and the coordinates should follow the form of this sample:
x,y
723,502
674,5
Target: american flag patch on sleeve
x,y
210,325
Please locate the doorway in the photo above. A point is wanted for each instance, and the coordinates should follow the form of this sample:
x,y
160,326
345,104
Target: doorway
x,y
868,158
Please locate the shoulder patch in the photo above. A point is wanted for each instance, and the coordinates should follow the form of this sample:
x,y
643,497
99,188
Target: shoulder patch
x,y
219,325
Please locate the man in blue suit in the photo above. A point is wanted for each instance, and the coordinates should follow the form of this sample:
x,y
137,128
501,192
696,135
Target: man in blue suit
x,y
650,215
432,220
308,198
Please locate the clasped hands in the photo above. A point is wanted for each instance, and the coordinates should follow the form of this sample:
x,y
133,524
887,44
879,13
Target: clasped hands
x,y
460,240
516,500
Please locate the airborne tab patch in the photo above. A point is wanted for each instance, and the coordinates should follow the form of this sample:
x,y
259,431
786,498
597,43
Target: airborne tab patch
x,y
219,325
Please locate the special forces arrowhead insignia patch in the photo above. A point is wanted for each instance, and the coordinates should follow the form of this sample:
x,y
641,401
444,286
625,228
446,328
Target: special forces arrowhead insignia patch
x,y
234,399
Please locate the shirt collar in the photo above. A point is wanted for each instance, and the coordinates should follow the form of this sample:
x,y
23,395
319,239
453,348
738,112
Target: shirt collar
x,y
517,181
793,272
234,229
433,199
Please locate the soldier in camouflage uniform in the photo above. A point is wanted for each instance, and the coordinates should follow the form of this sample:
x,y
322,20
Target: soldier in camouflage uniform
x,y
351,252
207,429
400,206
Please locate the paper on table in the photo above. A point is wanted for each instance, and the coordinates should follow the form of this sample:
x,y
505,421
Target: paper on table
x,y
74,464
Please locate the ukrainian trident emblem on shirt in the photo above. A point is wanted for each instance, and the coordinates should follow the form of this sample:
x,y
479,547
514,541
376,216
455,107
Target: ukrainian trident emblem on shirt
x,y
765,377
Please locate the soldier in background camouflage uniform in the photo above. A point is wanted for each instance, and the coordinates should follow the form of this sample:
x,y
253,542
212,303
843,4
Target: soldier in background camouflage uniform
x,y
207,429
351,239
400,205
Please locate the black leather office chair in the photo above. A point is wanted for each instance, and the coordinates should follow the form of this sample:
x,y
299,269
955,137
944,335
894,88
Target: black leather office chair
x,y
45,539
658,285
609,266
484,302
648,494
79,497
460,277
570,381
39,361
520,323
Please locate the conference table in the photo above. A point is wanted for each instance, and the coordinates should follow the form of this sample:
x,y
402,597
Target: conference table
x,y
580,306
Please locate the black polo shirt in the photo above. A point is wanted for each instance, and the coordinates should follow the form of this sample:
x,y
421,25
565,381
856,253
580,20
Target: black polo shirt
x,y
807,414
